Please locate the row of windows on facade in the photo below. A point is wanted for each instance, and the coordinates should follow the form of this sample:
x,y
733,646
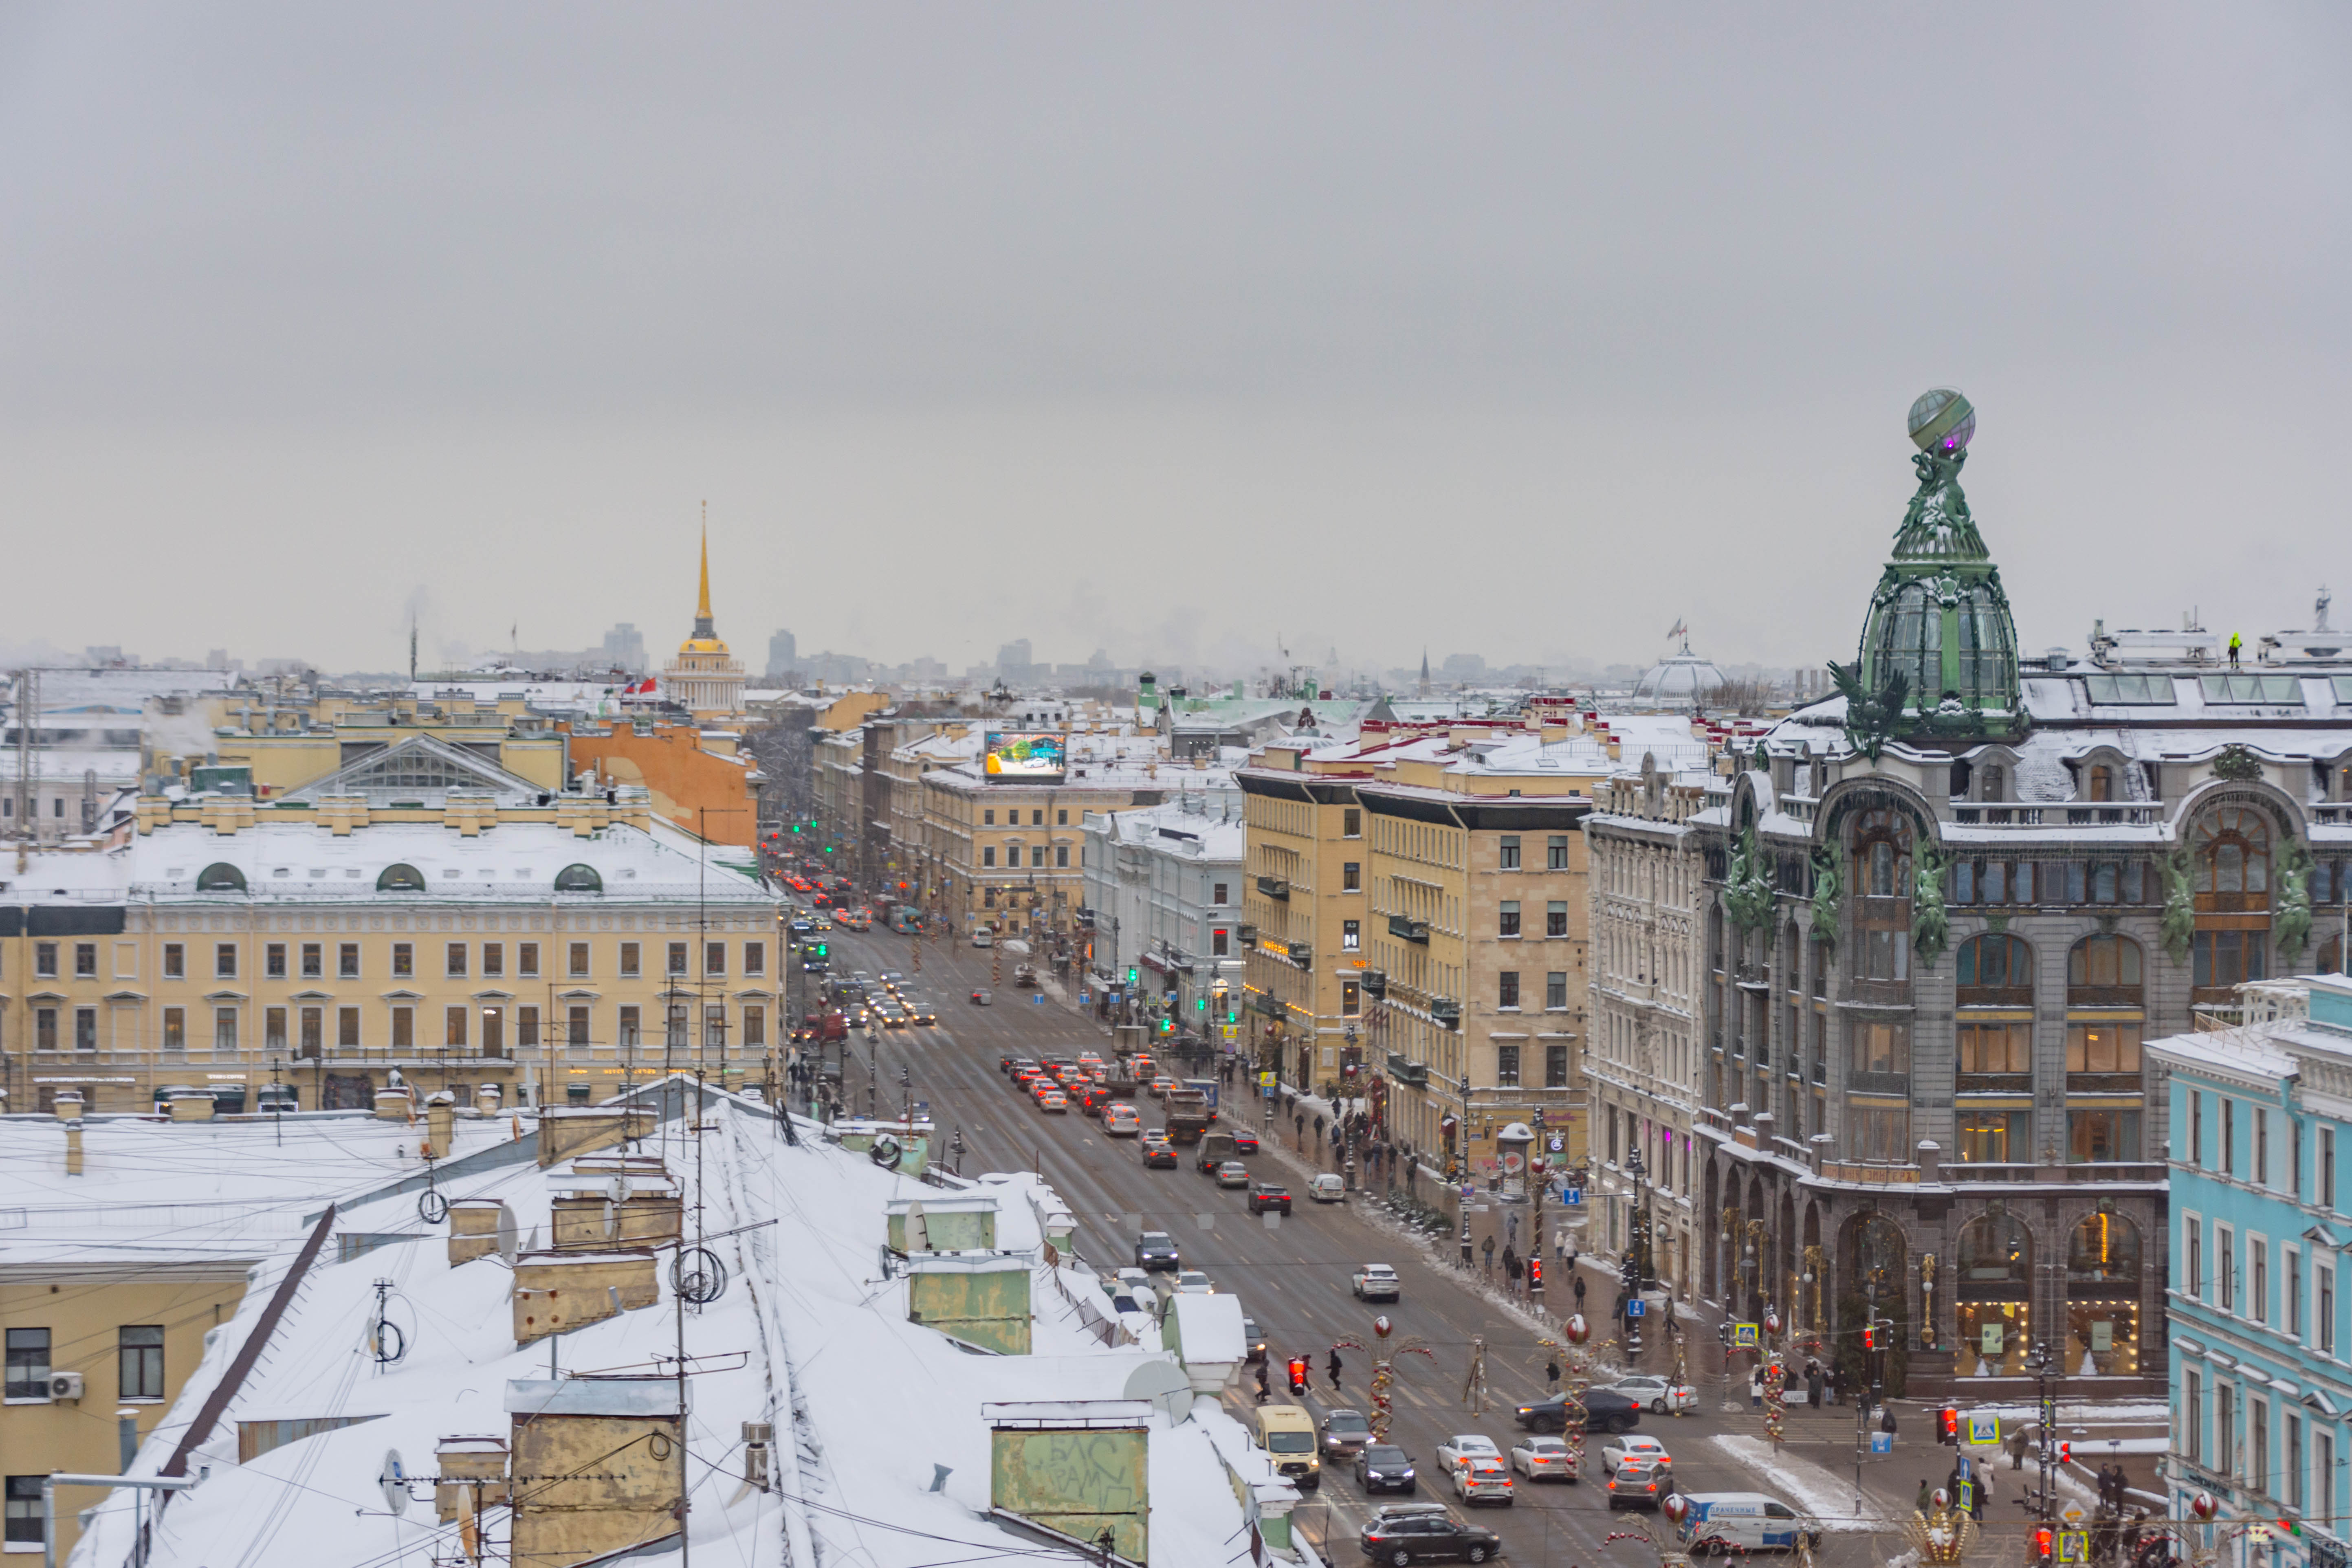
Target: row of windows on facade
x,y
1037,857
1878,1134
139,1378
2241,1283
1997,969
57,806
457,960
2253,1161
1013,817
2238,1414
1416,842
463,1027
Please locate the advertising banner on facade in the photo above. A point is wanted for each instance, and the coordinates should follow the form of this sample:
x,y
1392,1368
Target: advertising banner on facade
x,y
1023,756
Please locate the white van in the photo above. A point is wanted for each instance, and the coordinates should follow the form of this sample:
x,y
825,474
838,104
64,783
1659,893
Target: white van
x,y
982,937
1747,1521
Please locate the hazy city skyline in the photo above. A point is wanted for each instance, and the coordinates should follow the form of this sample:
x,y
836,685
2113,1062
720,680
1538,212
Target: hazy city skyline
x,y
1169,330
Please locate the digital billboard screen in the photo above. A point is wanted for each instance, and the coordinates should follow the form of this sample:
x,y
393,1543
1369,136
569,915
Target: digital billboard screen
x,y
1023,756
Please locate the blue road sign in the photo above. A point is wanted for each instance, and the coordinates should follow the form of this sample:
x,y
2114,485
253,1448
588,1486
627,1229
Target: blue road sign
x,y
1573,1197
1636,1308
1882,1442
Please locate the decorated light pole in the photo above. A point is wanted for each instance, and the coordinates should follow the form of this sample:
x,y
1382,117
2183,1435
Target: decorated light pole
x,y
2205,1541
1578,1334
1673,1508
1384,1371
1775,1379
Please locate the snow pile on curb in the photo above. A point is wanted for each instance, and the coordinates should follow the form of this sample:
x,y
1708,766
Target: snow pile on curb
x,y
1808,1485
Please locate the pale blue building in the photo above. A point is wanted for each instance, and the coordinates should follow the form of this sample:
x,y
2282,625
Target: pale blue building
x,y
2261,1351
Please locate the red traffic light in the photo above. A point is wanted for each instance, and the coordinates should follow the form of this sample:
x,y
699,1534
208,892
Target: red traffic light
x,y
1870,1336
2065,1453
1534,1274
1947,1425
1298,1375
2043,1541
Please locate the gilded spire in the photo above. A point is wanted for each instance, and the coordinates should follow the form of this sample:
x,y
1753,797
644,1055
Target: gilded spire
x,y
702,625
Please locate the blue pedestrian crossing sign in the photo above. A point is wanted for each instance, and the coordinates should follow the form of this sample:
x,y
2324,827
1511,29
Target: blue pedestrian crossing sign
x,y
1573,1197
1984,1430
1743,1336
1636,1307
1882,1442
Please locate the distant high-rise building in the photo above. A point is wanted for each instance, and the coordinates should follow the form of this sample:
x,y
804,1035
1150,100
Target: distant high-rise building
x,y
783,654
624,646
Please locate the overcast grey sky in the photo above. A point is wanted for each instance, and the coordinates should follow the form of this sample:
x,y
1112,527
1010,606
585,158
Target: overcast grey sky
x,y
1515,329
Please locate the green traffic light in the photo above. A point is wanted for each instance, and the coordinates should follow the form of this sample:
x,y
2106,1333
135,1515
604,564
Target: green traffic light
x,y
1201,1005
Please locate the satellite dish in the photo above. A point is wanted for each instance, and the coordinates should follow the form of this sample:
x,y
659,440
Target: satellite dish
x,y
510,1236
394,1482
885,1151
918,1228
1162,1382
612,1219
618,1189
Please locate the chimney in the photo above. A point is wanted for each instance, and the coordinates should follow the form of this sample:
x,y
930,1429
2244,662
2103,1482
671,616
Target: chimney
x,y
440,1124
68,1106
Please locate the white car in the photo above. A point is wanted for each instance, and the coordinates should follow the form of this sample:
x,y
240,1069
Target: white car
x,y
1376,1282
1327,1188
1543,1458
1479,1480
1465,1445
1634,1455
1657,1396
1192,1282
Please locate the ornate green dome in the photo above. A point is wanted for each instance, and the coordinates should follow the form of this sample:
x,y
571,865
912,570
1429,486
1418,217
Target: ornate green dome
x,y
1939,649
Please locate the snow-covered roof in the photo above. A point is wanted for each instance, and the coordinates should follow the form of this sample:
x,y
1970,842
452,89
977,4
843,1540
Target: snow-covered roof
x,y
292,858
812,1337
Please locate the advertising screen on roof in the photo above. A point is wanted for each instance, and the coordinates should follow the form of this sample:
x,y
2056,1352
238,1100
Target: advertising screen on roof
x,y
1025,756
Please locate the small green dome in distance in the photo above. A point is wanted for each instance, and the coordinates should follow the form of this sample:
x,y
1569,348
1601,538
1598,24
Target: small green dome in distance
x,y
1942,420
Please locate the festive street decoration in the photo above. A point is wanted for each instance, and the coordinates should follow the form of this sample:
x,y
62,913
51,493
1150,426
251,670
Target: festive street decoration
x,y
1384,1372
1776,1382
1676,1507
1473,1386
1943,1534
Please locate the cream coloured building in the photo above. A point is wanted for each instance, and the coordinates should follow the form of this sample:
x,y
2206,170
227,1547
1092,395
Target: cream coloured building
x,y
704,677
468,932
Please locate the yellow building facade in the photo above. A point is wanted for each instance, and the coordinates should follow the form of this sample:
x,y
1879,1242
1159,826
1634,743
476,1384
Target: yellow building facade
x,y
1304,911
313,949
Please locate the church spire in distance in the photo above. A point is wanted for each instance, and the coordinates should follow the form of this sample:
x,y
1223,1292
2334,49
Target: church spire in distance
x,y
702,627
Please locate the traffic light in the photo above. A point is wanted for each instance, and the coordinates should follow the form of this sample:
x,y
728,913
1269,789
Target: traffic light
x,y
1948,1425
1870,1336
2044,1543
816,950
2065,1453
1167,1025
1297,1366
1130,974
1535,1276
1201,1005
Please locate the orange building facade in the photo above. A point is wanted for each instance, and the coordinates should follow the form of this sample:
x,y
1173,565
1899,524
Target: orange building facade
x,y
697,779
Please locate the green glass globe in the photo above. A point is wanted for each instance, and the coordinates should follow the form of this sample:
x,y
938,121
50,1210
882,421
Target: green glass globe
x,y
1942,420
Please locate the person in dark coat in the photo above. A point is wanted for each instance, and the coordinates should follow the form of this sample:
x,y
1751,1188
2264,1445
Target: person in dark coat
x,y
1334,1368
1813,1384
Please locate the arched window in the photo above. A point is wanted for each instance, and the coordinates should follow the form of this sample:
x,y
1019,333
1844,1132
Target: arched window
x,y
220,878
1995,1252
1996,971
1915,644
399,879
2233,852
1882,849
2103,1250
1879,1254
2103,972
579,878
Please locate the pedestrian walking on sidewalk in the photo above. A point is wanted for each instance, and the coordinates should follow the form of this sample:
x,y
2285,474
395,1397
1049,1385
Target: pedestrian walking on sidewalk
x,y
1813,1384
1925,1497
1580,1292
1755,1389
1511,1267
2017,1447
1487,1251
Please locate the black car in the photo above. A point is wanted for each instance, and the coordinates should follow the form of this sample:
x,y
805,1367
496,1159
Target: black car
x,y
1604,1411
1012,1064
1383,1468
1159,1151
1157,1250
1265,1196
1403,1538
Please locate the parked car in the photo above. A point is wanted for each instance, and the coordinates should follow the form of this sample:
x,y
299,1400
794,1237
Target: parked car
x,y
1725,1523
1405,1538
1384,1468
1327,1188
1658,1395
1375,1282
1265,1196
1156,1249
1544,1458
1233,1174
1344,1432
1483,1481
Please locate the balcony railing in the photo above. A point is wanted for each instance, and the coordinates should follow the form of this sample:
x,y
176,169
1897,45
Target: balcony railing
x,y
1408,930
1275,888
1406,1071
1446,1012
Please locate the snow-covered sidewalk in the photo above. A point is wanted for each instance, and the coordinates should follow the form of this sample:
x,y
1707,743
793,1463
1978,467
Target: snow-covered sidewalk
x,y
1816,1488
